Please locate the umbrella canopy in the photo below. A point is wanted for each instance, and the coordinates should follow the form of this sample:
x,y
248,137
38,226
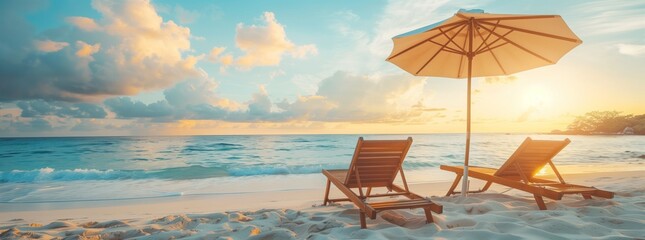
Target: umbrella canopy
x,y
477,44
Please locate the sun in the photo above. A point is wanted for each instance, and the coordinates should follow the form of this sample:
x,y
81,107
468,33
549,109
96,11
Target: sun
x,y
538,99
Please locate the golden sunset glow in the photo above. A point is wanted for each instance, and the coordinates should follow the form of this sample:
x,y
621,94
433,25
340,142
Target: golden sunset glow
x,y
267,73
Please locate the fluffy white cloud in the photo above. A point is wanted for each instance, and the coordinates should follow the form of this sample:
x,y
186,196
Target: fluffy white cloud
x,y
266,45
83,23
192,92
631,49
342,97
86,50
217,55
349,97
49,45
142,32
41,108
226,59
124,107
132,50
260,105
214,54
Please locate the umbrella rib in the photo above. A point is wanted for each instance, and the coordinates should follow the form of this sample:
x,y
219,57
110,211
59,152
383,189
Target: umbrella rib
x,y
520,46
453,51
490,48
487,37
449,49
534,32
461,59
491,52
456,24
437,53
496,46
453,42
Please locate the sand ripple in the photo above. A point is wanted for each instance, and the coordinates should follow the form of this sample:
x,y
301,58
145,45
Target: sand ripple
x,y
481,216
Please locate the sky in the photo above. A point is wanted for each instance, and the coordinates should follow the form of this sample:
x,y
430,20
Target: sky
x,y
148,67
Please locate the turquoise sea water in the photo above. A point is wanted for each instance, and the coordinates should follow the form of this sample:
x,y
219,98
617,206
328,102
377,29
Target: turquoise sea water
x,y
103,168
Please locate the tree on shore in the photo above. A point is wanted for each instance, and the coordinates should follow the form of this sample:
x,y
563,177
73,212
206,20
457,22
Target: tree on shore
x,y
605,122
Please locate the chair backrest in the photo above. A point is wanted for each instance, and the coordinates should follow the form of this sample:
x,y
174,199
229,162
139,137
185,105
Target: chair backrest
x,y
376,162
530,158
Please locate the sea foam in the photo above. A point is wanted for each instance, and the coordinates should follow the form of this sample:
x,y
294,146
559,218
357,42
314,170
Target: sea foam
x,y
50,174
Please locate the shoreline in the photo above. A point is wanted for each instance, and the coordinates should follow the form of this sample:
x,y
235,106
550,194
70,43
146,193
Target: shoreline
x,y
254,198
298,214
101,192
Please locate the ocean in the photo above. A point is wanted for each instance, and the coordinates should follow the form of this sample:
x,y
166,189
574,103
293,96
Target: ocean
x,y
69,169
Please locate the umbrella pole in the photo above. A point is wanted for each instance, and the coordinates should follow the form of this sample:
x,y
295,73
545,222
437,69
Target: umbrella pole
x,y
464,184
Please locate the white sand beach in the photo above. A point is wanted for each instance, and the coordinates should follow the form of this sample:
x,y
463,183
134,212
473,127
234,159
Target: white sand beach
x,y
297,214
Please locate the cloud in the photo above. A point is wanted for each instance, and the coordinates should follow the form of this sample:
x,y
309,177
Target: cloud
x,y
260,105
196,99
303,51
421,107
50,46
186,16
41,108
192,92
369,47
32,125
89,125
86,50
124,107
144,34
403,16
607,17
631,49
342,97
526,114
214,54
217,55
226,59
132,50
500,79
11,124
266,45
84,23
349,97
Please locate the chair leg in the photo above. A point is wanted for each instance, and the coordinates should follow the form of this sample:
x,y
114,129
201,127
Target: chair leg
x,y
369,190
539,201
327,193
428,215
487,186
586,196
454,185
362,217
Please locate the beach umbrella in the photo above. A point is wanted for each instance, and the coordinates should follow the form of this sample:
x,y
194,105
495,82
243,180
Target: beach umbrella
x,y
476,44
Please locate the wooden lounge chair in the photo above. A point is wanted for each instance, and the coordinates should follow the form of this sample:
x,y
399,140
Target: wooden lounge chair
x,y
520,169
376,163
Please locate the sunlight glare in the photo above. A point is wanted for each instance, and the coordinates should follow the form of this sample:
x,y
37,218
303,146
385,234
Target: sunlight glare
x,y
537,98
546,170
